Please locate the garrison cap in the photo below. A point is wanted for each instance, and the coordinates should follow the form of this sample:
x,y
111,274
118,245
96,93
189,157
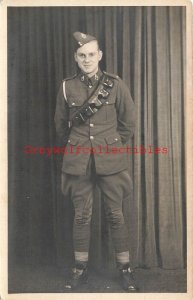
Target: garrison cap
x,y
82,38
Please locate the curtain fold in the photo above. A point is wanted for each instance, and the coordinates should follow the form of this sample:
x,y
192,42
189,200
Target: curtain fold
x,y
146,47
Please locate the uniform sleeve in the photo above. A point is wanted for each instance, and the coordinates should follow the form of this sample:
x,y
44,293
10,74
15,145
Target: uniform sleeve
x,y
125,112
61,118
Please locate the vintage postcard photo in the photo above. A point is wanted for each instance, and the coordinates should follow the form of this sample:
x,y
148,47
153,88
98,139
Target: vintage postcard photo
x,y
96,184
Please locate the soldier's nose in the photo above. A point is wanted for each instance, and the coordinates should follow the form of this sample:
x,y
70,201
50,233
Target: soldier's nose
x,y
86,58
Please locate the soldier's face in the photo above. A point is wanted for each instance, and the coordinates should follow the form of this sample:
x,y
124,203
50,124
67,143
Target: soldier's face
x,y
88,57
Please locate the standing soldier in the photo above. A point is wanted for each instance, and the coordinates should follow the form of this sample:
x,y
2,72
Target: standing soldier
x,y
95,109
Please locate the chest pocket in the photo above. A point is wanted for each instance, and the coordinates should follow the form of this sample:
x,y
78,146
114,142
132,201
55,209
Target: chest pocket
x,y
74,103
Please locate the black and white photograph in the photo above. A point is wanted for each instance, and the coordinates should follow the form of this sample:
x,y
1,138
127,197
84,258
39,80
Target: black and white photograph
x,y
97,149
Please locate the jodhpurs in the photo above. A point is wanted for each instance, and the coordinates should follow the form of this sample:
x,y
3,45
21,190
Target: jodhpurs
x,y
115,188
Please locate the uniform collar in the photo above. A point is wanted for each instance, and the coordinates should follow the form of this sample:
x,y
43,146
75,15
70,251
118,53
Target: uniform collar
x,y
90,81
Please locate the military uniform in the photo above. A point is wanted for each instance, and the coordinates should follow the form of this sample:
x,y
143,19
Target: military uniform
x,y
110,127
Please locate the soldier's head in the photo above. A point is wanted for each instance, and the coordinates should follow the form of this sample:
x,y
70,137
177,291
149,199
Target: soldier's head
x,y
87,53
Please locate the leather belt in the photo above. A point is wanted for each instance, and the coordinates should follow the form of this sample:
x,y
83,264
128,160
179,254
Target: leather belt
x,y
93,103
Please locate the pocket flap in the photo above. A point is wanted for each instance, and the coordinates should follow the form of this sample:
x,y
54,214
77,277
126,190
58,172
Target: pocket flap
x,y
74,101
74,104
110,100
73,141
112,139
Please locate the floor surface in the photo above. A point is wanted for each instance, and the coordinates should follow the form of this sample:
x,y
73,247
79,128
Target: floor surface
x,y
51,280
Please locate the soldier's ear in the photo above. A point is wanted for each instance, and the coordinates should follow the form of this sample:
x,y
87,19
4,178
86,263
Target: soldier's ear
x,y
75,56
100,54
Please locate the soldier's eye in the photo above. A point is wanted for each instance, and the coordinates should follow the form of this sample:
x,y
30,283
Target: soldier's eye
x,y
81,55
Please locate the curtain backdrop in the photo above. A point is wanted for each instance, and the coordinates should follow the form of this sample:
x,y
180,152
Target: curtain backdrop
x,y
146,47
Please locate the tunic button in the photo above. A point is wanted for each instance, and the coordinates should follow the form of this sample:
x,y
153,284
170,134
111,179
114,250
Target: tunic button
x,y
68,141
73,103
91,125
116,139
92,137
107,102
90,86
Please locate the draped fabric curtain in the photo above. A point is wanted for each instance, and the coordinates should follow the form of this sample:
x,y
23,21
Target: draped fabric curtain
x,y
146,47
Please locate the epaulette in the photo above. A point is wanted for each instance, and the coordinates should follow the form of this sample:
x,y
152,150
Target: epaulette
x,y
111,75
69,78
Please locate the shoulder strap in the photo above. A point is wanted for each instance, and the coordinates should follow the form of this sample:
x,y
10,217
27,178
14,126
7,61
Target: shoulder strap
x,y
64,85
111,75
64,90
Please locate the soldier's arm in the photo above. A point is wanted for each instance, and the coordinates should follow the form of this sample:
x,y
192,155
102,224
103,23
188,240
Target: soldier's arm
x,y
61,118
125,112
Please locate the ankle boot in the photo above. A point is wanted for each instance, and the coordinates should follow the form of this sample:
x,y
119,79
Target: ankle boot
x,y
78,276
127,280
